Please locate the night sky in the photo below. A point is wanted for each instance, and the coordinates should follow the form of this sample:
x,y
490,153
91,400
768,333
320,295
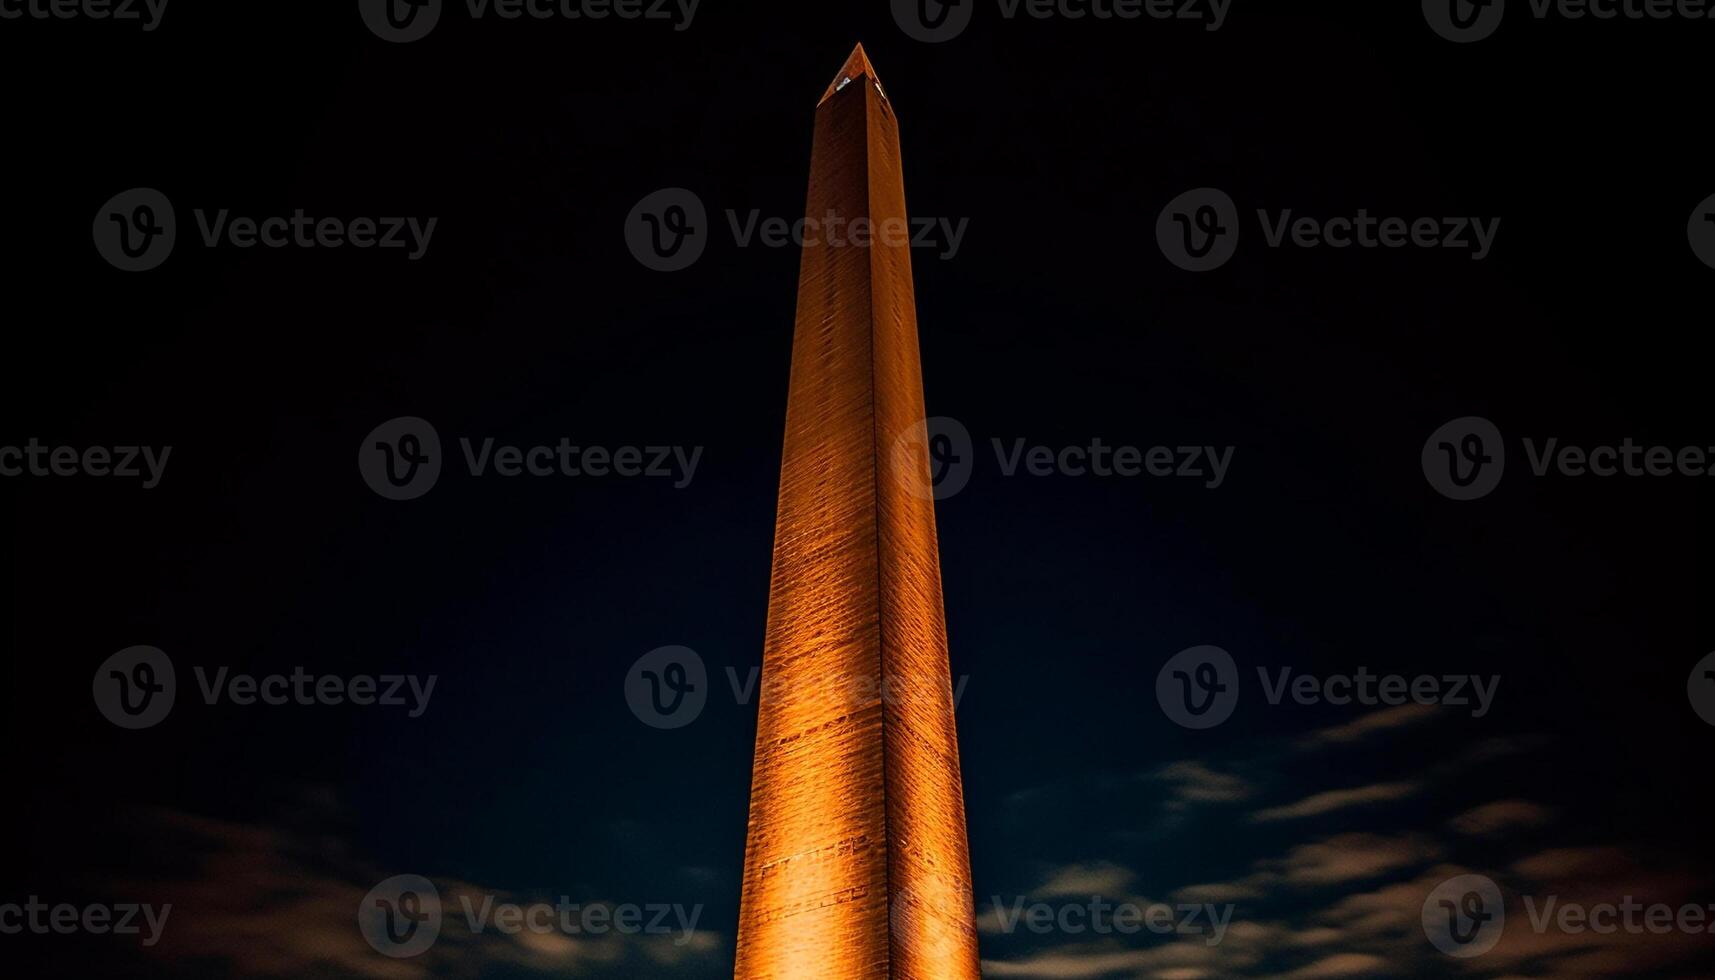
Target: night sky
x,y
1058,320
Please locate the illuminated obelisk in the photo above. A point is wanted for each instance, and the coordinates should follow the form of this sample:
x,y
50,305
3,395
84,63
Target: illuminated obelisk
x,y
857,864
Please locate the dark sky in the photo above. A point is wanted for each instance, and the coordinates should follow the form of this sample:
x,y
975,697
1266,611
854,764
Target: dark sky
x,y
1056,143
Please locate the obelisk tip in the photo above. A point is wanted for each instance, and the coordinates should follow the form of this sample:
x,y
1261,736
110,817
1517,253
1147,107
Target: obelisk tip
x,y
856,67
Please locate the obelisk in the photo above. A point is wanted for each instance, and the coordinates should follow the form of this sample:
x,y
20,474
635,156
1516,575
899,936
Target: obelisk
x,y
856,864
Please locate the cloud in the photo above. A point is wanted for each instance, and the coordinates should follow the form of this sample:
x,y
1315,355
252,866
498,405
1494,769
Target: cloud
x,y
1194,782
1102,878
1339,799
1501,816
1079,882
1499,747
254,903
1376,930
1391,911
1385,921
1350,857
275,901
1222,892
1376,721
1581,862
1337,860
1188,958
1351,904
1342,965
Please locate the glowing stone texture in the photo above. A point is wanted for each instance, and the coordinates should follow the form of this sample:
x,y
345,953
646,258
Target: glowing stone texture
x,y
856,865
